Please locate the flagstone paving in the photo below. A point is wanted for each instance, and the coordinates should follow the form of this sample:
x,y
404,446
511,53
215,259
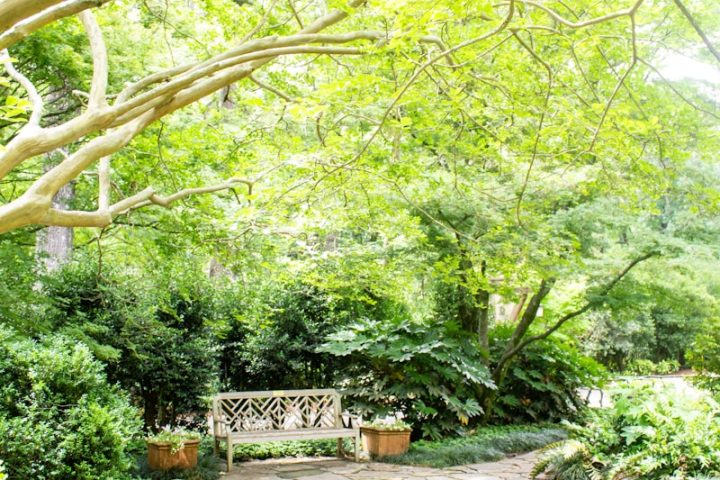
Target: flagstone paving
x,y
513,468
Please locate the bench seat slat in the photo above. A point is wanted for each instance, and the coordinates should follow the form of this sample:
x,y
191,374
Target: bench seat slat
x,y
299,434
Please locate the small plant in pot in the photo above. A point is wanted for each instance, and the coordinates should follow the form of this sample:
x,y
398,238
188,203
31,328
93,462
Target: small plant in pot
x,y
385,438
173,449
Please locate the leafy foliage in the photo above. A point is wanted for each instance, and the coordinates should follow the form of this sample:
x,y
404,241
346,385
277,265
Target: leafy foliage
x,y
59,417
153,335
428,372
648,367
705,357
649,432
275,347
543,382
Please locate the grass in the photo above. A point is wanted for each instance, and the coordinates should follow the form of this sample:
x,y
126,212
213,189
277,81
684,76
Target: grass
x,y
484,445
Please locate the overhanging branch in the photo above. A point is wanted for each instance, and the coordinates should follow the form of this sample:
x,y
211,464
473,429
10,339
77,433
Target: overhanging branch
x,y
597,300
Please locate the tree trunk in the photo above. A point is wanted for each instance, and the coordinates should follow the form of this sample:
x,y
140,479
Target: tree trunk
x,y
527,319
54,245
482,300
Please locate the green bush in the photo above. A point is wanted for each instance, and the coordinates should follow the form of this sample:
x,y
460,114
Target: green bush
x,y
648,367
650,433
483,445
300,448
543,382
154,336
704,357
276,347
59,418
430,373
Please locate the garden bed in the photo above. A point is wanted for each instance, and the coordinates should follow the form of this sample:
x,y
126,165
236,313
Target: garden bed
x,y
486,444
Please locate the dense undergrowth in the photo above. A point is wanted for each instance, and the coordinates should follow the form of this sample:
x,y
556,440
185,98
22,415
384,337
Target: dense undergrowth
x,y
650,432
483,445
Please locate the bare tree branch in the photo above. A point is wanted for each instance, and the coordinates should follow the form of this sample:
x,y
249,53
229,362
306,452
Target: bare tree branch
x,y
24,147
270,88
697,28
593,21
133,111
99,83
593,302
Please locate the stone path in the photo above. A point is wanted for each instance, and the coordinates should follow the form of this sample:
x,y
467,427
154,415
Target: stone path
x,y
514,468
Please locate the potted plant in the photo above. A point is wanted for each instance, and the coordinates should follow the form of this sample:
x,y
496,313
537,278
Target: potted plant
x,y
383,438
173,449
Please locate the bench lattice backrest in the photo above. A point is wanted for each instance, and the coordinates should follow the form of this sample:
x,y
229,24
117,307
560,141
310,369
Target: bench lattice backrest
x,y
280,410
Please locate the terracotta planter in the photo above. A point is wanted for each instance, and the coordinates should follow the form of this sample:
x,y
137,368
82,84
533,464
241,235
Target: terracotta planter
x,y
385,443
160,456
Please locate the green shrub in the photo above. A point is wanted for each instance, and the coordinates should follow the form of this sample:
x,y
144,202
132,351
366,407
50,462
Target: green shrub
x,y
704,357
154,336
59,418
484,445
650,433
648,367
276,347
430,373
300,448
543,382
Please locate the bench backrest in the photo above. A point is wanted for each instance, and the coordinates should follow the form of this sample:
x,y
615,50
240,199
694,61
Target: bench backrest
x,y
240,412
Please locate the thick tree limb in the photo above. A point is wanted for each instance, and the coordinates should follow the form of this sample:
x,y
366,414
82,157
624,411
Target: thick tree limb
x,y
129,116
99,83
23,147
141,199
31,24
104,183
14,11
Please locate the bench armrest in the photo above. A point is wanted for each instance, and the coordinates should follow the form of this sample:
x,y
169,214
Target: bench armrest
x,y
219,422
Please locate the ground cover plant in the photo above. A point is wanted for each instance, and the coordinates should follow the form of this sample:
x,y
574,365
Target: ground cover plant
x,y
485,444
299,448
650,432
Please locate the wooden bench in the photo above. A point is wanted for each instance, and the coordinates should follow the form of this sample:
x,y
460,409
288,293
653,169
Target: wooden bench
x,y
253,417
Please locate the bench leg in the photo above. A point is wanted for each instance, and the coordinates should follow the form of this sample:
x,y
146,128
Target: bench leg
x,y
229,454
357,448
340,449
216,447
